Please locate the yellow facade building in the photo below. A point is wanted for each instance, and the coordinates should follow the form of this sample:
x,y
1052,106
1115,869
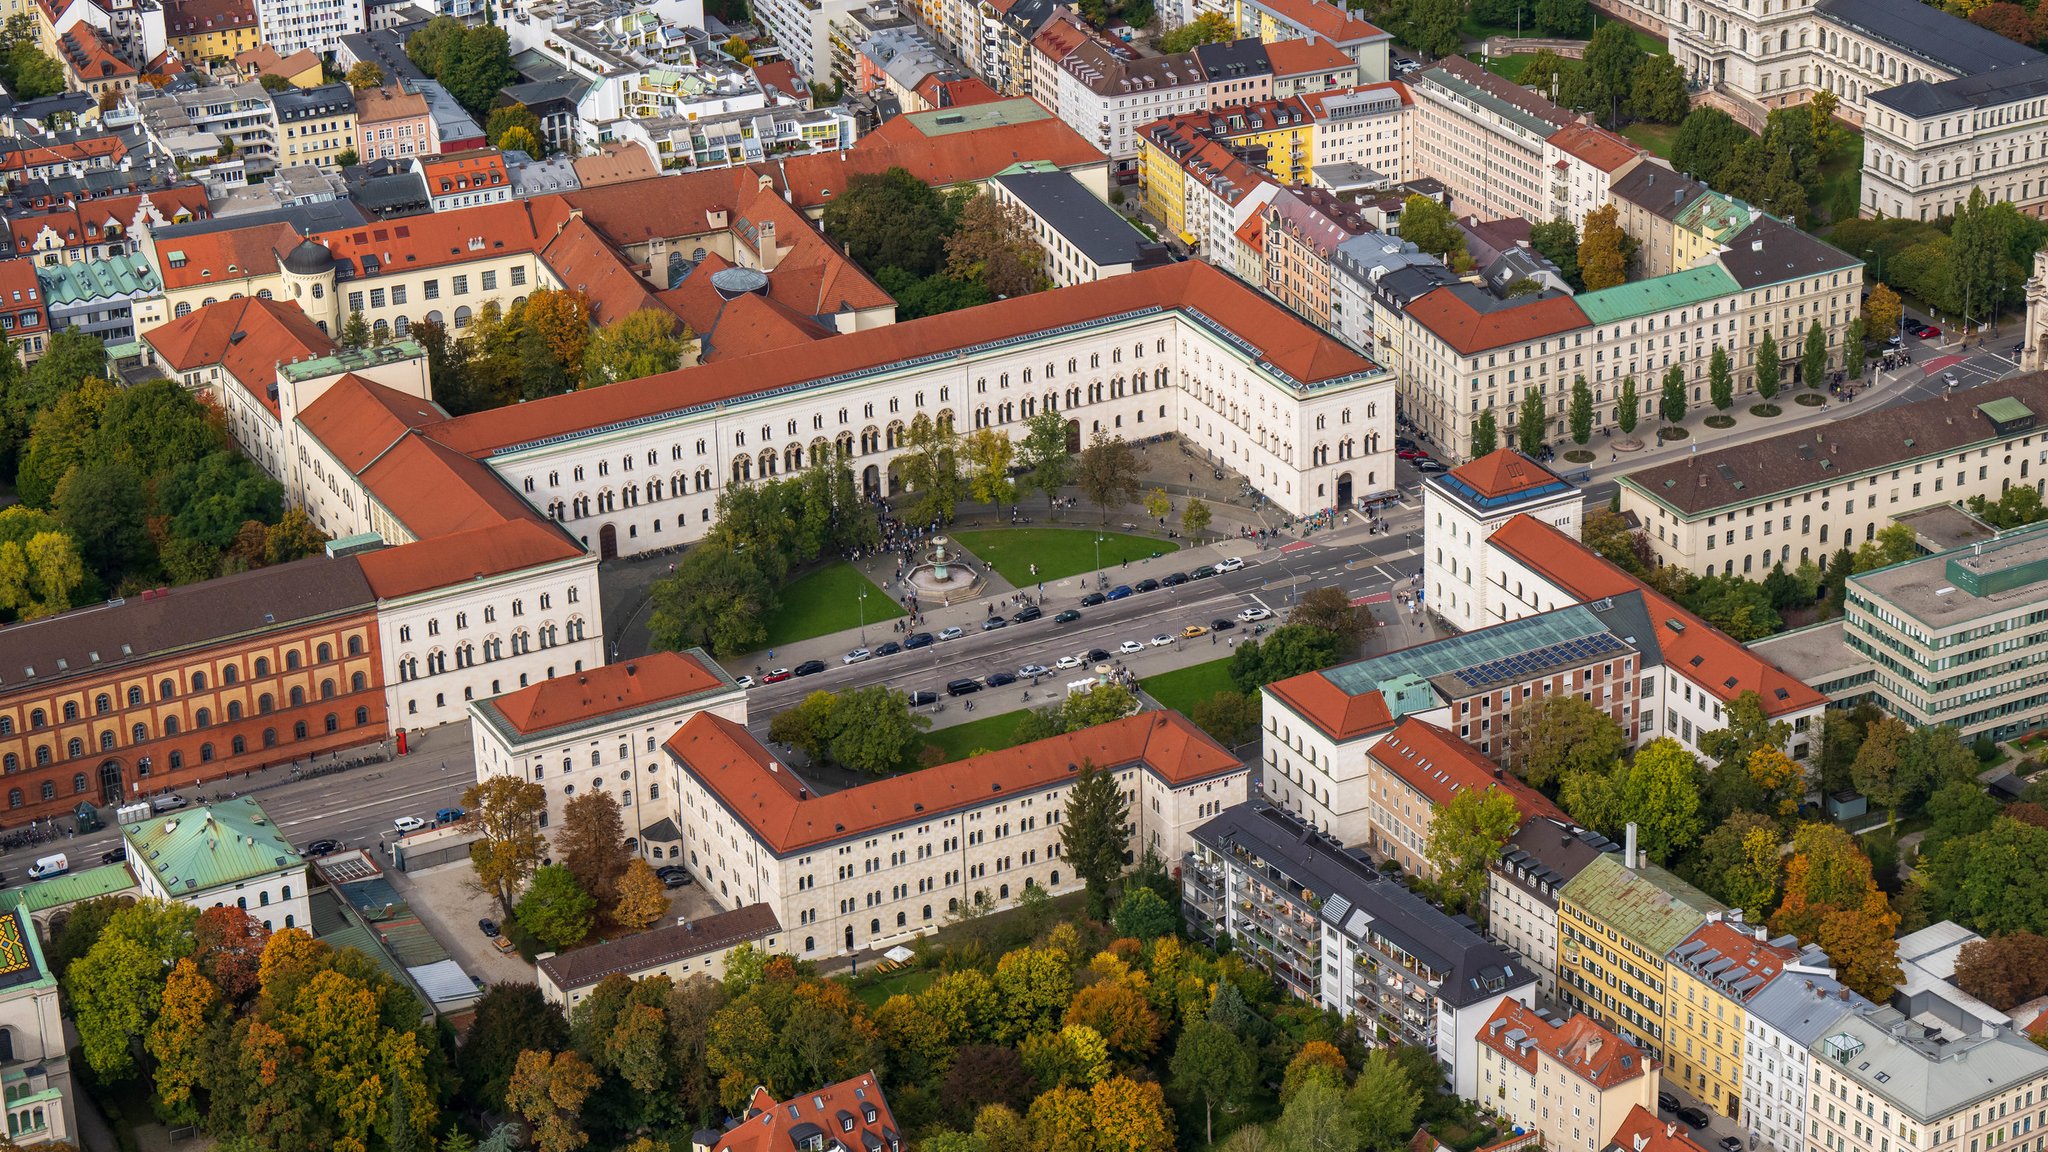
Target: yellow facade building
x,y
210,29
1615,927
1162,182
1714,973
315,125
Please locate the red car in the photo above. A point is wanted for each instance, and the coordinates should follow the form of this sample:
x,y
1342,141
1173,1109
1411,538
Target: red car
x,y
777,676
1927,332
1410,454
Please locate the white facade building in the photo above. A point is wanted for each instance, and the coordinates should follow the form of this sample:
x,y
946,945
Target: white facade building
x,y
225,854
1461,510
1782,1022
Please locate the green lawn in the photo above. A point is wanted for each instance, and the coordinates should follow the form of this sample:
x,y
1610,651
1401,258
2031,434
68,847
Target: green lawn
x,y
1510,67
1656,137
991,733
1183,688
909,982
1841,178
1058,552
827,601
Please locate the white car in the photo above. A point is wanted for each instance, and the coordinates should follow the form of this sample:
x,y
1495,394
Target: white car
x,y
1251,614
1067,663
855,656
1032,670
744,681
408,823
952,633
1161,640
1230,564
1130,646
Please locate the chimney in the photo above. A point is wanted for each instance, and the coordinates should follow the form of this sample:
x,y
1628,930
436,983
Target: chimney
x,y
1628,852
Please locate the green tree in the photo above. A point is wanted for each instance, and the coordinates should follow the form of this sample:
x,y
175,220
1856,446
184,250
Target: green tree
x,y
1706,138
40,568
1560,735
1657,90
506,812
1738,863
2016,507
1893,544
1562,17
989,453
101,505
1211,1068
116,989
35,74
1582,411
1852,349
1880,768
1433,228
1142,915
1194,518
1627,406
1288,650
1557,240
1383,1103
1530,433
1108,472
876,730
1767,368
1092,837
509,1018
1658,790
1207,28
1995,881
892,219
1721,381
1604,250
1465,836
1231,717
930,468
1485,435
1319,1118
556,910
366,74
717,598
477,67
1431,26
1974,251
1673,406
1814,366
1048,467
644,342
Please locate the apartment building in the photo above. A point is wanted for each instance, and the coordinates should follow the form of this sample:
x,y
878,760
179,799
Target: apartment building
x,y
1007,29
1617,921
24,312
1807,495
237,121
1715,972
464,179
1373,279
692,143
1303,229
1418,768
393,123
1522,887
1884,1079
93,64
1463,507
1083,238
888,861
1368,126
1327,926
315,125
1564,1078
1201,190
1312,21
289,26
1108,96
1467,351
1782,1022
1310,66
1486,138
1676,221
102,228
210,29
601,730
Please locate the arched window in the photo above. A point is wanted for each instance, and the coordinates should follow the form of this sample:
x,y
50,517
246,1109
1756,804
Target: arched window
x,y
71,709
291,659
75,747
270,737
206,753
230,674
324,652
198,681
326,688
134,696
358,682
355,645
139,733
202,718
49,790
299,730
170,725
14,798
333,722
298,696
234,710
362,717
262,666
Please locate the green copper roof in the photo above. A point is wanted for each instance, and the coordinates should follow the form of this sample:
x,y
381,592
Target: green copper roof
x,y
1646,905
204,848
98,280
971,117
1716,217
69,888
352,360
1642,297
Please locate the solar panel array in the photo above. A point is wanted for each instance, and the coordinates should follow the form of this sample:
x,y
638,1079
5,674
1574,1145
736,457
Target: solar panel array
x,y
1538,660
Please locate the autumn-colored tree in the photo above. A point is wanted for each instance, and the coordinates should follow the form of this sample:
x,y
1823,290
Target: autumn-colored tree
x,y
1603,249
2004,971
1033,988
1317,1060
561,317
1062,1120
1780,778
1076,1056
592,844
641,343
1131,1115
549,1089
1862,941
506,810
993,245
116,988
641,898
1881,311
965,1004
229,944
1831,899
914,1038
178,1041
365,74
1121,1016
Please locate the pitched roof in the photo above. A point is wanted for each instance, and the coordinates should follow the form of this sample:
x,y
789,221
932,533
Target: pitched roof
x,y
198,17
224,255
247,336
1340,715
358,419
781,76
1597,146
1735,959
1770,251
852,1114
787,817
1330,21
606,691
1503,472
631,955
1692,647
1521,103
973,144
1680,289
1649,907
1642,1131
388,103
1281,340
507,546
201,849
586,264
1306,57
1580,1043
745,325
614,163
1439,765
1948,41
1452,317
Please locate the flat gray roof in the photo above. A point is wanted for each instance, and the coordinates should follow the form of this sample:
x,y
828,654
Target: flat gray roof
x,y
1926,590
1814,655
1928,1077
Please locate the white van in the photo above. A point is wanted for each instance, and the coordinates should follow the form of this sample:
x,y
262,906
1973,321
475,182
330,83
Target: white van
x,y
48,866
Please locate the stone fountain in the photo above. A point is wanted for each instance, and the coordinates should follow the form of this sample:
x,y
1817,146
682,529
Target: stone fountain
x,y
941,574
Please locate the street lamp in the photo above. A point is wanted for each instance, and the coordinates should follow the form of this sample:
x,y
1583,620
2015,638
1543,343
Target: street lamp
x,y
861,604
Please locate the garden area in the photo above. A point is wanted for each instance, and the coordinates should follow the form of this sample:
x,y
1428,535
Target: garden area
x,y
828,600
1058,552
1183,688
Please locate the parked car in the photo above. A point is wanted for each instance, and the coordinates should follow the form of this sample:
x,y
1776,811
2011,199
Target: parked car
x,y
1067,617
1194,630
953,633
1068,663
1092,599
998,679
1175,580
1693,1117
1927,332
488,927
1026,614
1429,467
1146,585
676,879
923,696
1162,640
1254,613
744,681
962,687
856,656
1120,592
917,640
323,847
1034,670
888,648
1731,1144
1131,647
810,668
1203,573
171,803
1666,1102
408,823
1230,564
1098,655
1410,454
449,815
1222,624
777,676
504,944
993,623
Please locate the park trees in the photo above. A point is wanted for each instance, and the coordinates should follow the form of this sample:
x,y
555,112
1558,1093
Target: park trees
x,y
1108,472
1288,650
506,811
2004,971
117,988
509,1018
473,63
1043,454
1657,90
1995,881
555,909
930,468
1768,370
992,245
1465,836
1092,835
548,1090
1738,863
1211,1068
1329,610
1831,899
1720,381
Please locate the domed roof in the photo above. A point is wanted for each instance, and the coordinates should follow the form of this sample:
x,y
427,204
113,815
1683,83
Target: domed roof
x,y
310,258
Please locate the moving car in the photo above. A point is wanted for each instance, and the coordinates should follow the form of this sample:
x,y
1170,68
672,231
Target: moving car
x,y
998,679
1026,614
1230,564
449,815
488,927
53,865
917,640
1194,630
777,676
1067,617
1161,640
1146,585
1068,663
962,687
1098,655
855,656
810,668
1131,647
888,648
114,855
1949,379
1175,580
323,847
1120,592
408,823
1092,599
1034,670
1254,613
993,623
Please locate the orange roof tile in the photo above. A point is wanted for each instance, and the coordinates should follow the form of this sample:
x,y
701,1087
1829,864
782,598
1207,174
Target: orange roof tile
x,y
938,92
586,264
375,105
1696,649
1253,232
1439,765
90,56
428,564
614,163
1452,319
81,151
87,221
18,285
479,167
604,691
1641,1131
787,817
1737,955
1596,146
224,256
247,336
781,76
1327,20
1340,715
1585,1048
940,161
358,419
743,326
769,1125
1283,340
1306,57
1504,472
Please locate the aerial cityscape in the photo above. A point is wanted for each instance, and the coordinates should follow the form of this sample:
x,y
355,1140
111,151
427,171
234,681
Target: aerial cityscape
x,y
1014,576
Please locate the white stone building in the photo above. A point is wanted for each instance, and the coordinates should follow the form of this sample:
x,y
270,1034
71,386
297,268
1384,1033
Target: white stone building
x,y
225,854
1462,508
1781,1024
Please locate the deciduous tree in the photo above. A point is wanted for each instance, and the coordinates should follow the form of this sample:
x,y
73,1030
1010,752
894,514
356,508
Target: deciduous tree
x,y
1813,368
506,117
178,1041
229,944
1882,310
1318,1118
1880,766
718,598
1582,411
556,910
116,989
1767,369
1530,433
644,342
989,454
1465,836
1231,717
1317,1060
1720,380
1194,518
1559,735
1119,1015
1485,435
930,468
1383,1102
505,811
2004,971
1738,862
1142,915
1131,1115
1432,227
1627,406
509,1018
1207,28
1048,467
1603,252
992,245
549,1091
1673,405
641,898
1658,790
1853,355
1108,472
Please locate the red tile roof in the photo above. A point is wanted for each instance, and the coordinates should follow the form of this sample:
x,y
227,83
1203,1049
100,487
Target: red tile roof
x,y
940,161
1307,57
1467,330
1641,1131
939,92
358,419
196,17
1340,715
464,556
614,163
85,151
605,691
1585,1048
1737,955
87,221
462,171
743,326
224,256
1253,232
90,56
1439,765
1695,649
1329,21
19,286
1282,339
376,105
770,1126
786,817
586,264
1504,472
1596,146
247,336
781,76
